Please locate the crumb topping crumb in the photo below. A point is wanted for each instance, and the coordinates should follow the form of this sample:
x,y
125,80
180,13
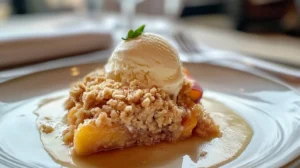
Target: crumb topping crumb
x,y
46,128
202,153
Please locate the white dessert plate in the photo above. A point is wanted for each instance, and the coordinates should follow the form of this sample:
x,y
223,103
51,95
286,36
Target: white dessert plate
x,y
270,107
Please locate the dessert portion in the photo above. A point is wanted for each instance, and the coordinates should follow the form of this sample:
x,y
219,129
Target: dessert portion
x,y
143,96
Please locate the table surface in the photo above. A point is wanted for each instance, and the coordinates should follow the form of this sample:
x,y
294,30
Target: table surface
x,y
212,30
216,31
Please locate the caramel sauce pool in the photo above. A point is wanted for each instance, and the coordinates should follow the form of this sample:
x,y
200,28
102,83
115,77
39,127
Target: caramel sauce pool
x,y
192,152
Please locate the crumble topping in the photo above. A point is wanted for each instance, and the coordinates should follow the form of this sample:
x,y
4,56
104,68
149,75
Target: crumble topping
x,y
46,128
150,115
202,153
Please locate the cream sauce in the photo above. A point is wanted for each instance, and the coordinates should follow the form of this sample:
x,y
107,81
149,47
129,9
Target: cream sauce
x,y
193,152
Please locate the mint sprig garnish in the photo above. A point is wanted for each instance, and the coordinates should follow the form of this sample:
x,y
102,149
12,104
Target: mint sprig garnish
x,y
133,34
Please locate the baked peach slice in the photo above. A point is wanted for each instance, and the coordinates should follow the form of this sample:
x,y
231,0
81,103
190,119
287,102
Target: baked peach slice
x,y
90,138
196,92
189,123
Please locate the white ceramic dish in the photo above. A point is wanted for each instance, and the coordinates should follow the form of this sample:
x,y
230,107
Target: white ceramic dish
x,y
271,108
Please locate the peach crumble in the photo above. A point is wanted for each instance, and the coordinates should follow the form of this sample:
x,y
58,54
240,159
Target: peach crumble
x,y
104,114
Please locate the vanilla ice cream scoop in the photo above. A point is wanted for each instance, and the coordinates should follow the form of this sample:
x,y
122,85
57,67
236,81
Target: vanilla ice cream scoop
x,y
150,59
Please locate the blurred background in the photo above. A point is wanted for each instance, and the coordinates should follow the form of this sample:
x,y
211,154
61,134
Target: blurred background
x,y
39,30
245,15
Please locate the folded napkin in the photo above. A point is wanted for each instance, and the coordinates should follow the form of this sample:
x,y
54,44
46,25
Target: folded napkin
x,y
44,40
